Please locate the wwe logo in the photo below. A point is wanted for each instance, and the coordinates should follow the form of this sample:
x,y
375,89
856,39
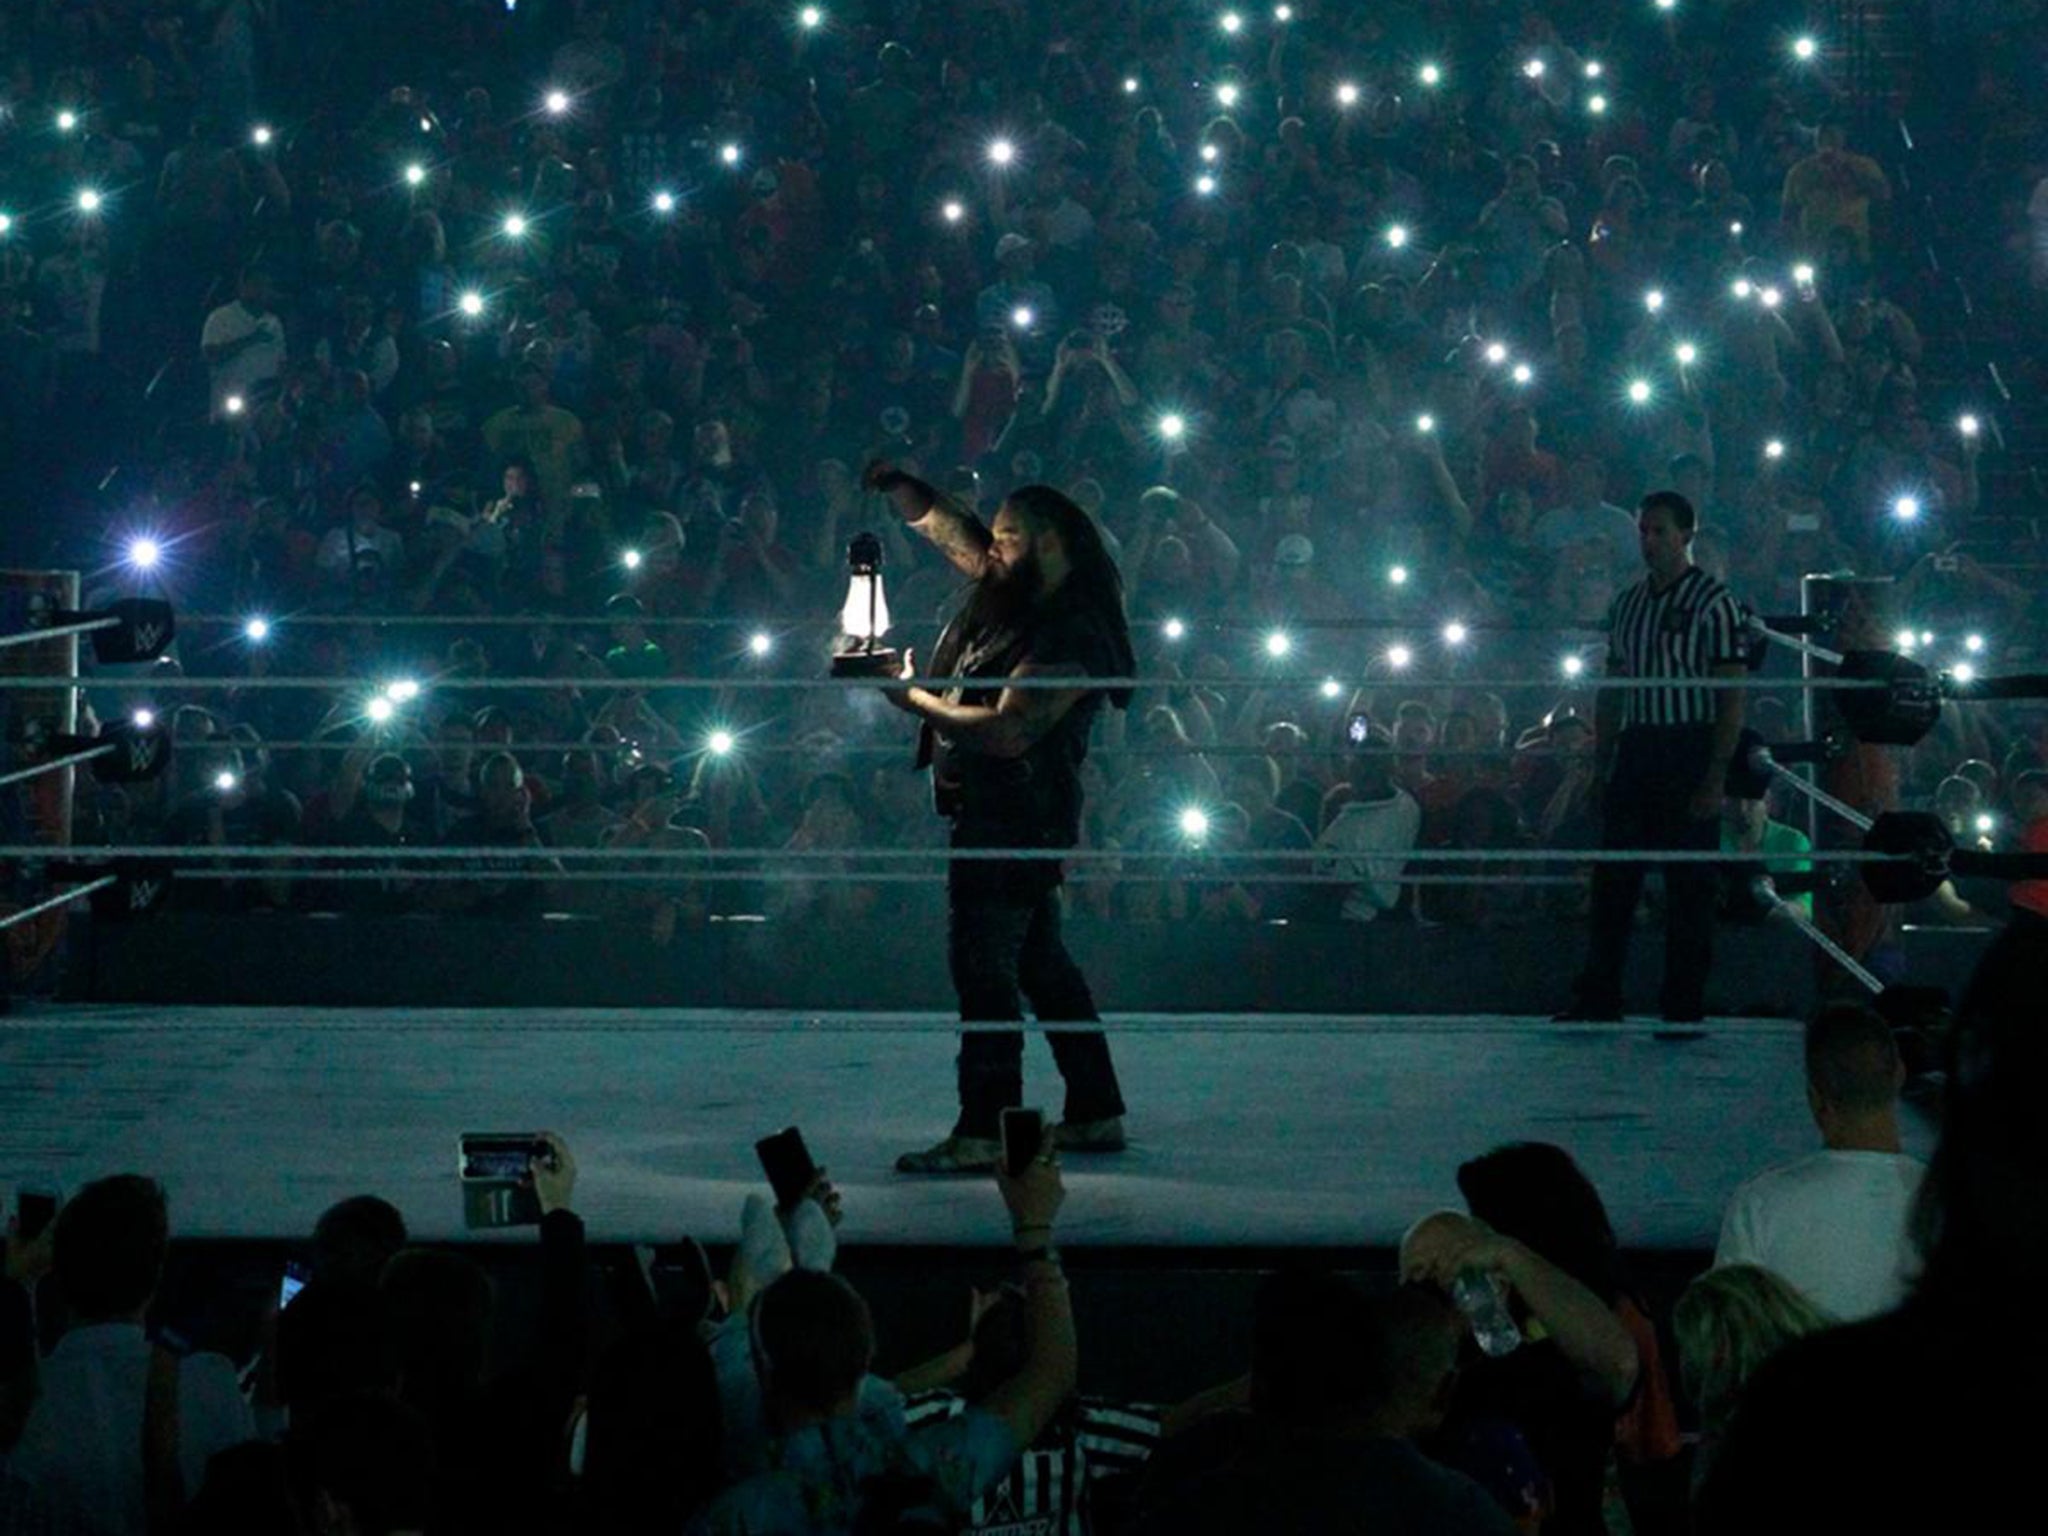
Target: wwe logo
x,y
142,755
143,894
150,638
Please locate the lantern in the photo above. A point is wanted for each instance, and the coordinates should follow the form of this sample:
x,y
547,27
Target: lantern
x,y
864,618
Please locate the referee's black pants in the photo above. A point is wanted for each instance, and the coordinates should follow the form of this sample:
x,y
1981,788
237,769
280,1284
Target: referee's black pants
x,y
1003,946
1657,769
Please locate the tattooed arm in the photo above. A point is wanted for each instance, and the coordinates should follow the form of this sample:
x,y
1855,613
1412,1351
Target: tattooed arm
x,y
948,526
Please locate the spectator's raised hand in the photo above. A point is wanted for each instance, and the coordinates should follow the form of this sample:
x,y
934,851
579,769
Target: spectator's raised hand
x,y
29,1259
1034,1196
1444,1246
553,1173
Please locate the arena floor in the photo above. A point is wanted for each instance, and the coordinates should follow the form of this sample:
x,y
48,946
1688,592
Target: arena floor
x,y
1262,1130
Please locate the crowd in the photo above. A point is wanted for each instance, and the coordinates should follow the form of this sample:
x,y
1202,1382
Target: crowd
x,y
1511,1376
471,341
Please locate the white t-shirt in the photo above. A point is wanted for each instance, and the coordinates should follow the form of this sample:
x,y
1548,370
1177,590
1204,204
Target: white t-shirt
x,y
1835,1225
82,1445
258,363
1365,828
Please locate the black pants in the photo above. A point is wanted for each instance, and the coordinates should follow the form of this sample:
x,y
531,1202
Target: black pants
x,y
1003,940
1657,769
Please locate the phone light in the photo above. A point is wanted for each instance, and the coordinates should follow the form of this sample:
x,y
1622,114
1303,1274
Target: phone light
x,y
379,710
1278,643
403,691
1228,94
1397,236
1023,317
720,743
1774,449
1686,353
6,223
1963,672
1905,640
1231,22
760,643
261,135
1906,508
1205,185
1425,424
729,154
1803,274
415,174
1399,656
1347,93
556,102
1573,666
952,210
1597,104
1174,629
1735,228
1667,5
1595,69
1210,154
142,719
1130,85
234,405
1283,14
810,18
1456,633
1968,425
514,226
90,200
1522,374
1194,822
67,121
1742,288
1533,69
1771,298
1653,301
631,559
1804,49
1431,75
256,631
1496,353
1397,575
1001,151
664,202
145,553
1173,426
226,782
1330,688
1640,392
471,303
1974,644
1927,637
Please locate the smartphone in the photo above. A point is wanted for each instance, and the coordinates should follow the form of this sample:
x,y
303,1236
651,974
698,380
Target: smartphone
x,y
1023,1134
1358,729
787,1162
291,1282
34,1210
493,1168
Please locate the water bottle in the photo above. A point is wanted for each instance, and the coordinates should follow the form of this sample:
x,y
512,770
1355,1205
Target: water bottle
x,y
1483,1298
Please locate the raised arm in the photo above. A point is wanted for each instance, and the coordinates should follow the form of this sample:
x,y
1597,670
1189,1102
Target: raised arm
x,y
949,527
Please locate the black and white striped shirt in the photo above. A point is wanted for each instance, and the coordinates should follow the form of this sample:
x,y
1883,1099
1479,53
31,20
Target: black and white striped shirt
x,y
1691,627
1048,1492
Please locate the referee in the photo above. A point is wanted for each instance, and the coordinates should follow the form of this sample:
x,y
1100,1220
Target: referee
x,y
1663,755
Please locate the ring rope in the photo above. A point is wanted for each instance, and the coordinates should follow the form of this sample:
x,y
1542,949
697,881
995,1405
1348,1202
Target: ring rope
x,y
1589,682
823,877
408,854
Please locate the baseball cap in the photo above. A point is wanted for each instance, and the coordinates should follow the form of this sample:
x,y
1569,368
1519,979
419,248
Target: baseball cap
x,y
1295,549
1010,245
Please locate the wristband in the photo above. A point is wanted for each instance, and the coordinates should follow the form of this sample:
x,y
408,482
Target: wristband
x,y
1046,1255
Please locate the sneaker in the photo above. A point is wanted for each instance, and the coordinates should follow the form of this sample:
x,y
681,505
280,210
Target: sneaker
x,y
1580,1013
956,1154
1106,1135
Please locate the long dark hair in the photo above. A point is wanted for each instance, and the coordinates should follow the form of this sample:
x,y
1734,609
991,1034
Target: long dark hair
x,y
1533,1192
1092,575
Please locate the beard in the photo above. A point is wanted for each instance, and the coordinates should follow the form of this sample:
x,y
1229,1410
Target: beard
x,y
1006,594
